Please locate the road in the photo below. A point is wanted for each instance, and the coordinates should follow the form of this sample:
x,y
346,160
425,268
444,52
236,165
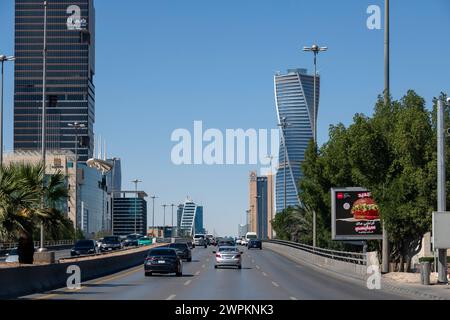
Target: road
x,y
59,254
265,275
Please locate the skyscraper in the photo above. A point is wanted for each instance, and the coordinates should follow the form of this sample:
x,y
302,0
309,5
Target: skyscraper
x,y
261,204
191,219
129,212
70,91
294,99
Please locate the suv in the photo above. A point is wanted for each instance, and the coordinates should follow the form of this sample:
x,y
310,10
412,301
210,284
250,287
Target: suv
x,y
183,250
111,243
199,240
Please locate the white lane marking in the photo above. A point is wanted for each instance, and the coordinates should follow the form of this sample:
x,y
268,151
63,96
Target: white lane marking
x,y
171,297
264,274
253,261
293,298
187,282
197,273
257,267
275,284
207,260
203,265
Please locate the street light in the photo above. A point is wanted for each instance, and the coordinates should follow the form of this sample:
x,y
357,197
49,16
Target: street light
x,y
283,125
3,58
153,214
164,221
76,125
172,213
135,181
270,157
315,49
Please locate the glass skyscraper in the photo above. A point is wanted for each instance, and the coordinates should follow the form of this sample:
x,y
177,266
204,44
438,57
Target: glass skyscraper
x,y
191,219
294,100
70,69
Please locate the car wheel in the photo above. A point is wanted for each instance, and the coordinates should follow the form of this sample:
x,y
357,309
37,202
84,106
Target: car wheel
x,y
206,246
179,274
148,274
239,267
215,267
189,259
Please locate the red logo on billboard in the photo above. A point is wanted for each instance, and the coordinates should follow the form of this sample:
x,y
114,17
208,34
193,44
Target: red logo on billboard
x,y
340,195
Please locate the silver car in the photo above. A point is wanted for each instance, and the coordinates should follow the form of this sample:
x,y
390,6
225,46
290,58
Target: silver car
x,y
12,256
227,256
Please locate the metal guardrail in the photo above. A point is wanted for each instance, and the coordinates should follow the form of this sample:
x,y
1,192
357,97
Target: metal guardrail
x,y
51,243
351,257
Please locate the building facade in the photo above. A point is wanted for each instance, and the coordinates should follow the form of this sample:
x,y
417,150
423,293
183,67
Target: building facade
x,y
70,69
294,99
261,210
191,219
129,213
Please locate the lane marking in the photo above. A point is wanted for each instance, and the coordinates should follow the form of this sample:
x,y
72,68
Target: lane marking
x,y
187,282
264,274
197,273
203,265
257,267
171,297
293,298
207,260
275,284
253,261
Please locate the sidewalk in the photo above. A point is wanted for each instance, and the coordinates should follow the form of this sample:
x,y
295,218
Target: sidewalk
x,y
409,284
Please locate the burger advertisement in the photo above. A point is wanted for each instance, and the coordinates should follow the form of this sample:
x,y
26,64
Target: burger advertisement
x,y
355,215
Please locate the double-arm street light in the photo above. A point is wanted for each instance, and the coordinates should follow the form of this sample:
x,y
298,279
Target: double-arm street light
x,y
135,181
153,214
3,59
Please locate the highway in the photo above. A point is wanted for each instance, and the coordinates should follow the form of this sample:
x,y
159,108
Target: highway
x,y
265,275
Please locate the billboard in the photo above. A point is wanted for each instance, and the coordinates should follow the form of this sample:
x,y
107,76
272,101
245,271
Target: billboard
x,y
354,215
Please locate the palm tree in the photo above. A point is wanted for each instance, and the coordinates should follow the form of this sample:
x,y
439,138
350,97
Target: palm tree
x,y
22,188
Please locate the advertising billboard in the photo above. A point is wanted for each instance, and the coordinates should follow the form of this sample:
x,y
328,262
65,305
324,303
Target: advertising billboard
x,y
354,215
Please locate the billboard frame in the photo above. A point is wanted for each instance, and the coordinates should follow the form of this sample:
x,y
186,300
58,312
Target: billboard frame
x,y
333,218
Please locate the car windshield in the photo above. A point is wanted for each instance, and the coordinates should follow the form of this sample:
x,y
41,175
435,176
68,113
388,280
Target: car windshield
x,y
144,238
162,252
227,249
84,243
111,240
252,236
133,236
13,252
199,236
178,245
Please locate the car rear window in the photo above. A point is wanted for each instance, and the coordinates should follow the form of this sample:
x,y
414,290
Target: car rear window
x,y
83,243
162,252
178,245
227,249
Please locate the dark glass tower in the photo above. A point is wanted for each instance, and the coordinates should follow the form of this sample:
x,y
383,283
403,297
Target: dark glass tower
x,y
70,75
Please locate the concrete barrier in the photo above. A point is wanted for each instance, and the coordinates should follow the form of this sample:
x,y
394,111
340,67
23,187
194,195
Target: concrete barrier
x,y
357,271
24,280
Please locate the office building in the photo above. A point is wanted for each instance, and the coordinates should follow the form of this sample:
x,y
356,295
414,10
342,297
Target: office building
x,y
70,90
242,230
261,210
191,219
294,101
129,213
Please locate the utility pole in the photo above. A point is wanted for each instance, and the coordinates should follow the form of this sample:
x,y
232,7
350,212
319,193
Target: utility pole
x,y
43,120
164,220
3,58
283,125
172,205
385,244
441,192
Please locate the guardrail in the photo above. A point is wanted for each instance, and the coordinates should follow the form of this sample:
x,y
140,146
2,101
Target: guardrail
x,y
50,243
351,257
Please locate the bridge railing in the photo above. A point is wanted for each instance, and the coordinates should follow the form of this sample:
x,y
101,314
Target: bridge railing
x,y
50,243
351,257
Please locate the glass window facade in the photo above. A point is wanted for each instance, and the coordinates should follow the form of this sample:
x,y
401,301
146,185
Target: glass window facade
x,y
129,211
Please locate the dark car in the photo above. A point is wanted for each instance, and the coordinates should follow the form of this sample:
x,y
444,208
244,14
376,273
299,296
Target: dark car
x,y
111,243
226,243
84,247
131,240
183,250
163,260
255,244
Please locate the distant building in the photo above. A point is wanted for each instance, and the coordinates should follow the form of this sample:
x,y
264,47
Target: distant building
x,y
179,214
114,177
261,205
242,230
191,219
294,98
129,213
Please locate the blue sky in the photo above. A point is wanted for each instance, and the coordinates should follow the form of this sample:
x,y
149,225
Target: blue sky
x,y
162,64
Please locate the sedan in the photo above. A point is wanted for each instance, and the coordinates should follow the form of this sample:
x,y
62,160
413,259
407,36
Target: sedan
x,y
163,260
12,256
227,256
183,250
110,243
84,247
257,244
144,241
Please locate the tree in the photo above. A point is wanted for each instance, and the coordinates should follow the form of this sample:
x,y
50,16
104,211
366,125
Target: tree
x,y
22,188
294,224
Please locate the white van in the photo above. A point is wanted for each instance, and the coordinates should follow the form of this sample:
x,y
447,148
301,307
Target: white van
x,y
249,236
199,240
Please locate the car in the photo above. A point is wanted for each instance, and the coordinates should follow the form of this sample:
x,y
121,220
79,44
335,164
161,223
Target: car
x,y
255,243
210,240
244,242
111,243
99,243
239,242
184,240
132,240
144,241
12,256
199,240
228,256
183,250
226,243
84,247
163,260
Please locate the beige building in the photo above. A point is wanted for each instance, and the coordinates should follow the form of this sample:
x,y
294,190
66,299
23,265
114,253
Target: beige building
x,y
62,161
261,205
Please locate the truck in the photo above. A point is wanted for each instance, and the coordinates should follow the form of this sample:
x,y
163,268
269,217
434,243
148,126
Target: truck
x,y
249,236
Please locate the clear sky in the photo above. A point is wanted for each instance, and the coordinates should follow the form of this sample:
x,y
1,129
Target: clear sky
x,y
162,64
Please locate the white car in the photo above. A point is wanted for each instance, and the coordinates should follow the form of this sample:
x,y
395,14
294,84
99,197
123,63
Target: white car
x,y
239,241
244,242
12,256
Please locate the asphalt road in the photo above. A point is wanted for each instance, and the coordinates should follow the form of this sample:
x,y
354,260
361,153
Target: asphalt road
x,y
265,275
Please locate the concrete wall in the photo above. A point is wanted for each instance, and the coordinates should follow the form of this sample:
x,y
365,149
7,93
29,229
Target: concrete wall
x,y
342,267
24,280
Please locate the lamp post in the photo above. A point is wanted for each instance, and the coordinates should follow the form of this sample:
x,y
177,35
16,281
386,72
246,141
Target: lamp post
x,y
172,205
135,181
153,214
43,120
283,125
164,219
3,58
270,157
76,125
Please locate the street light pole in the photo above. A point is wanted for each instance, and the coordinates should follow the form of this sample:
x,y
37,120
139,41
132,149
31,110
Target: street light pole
x,y
284,124
164,221
172,213
3,58
135,181
43,120
153,214
270,157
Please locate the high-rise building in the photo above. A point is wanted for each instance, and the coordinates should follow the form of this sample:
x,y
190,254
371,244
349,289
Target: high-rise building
x,y
70,91
191,219
261,205
129,212
294,99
